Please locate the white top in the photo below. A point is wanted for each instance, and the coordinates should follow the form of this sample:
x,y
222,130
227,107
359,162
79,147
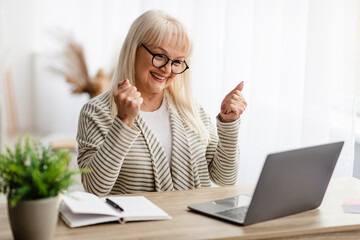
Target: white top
x,y
159,123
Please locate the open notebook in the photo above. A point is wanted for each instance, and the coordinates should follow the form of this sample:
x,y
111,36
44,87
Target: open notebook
x,y
81,209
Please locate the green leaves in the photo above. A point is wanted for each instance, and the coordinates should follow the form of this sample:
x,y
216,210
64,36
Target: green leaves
x,y
32,171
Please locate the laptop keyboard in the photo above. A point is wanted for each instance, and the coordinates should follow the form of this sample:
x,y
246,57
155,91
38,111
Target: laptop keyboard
x,y
235,213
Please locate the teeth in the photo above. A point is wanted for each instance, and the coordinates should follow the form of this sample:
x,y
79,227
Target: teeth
x,y
157,76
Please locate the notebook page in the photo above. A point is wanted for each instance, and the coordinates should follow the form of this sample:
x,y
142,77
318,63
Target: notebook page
x,y
82,202
139,208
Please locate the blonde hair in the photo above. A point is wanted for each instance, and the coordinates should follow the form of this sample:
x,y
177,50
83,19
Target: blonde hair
x,y
155,28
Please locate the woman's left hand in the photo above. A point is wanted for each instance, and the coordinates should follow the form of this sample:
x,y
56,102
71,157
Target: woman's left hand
x,y
233,105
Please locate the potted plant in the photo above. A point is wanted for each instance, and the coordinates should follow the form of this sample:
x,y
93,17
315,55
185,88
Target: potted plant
x,y
32,176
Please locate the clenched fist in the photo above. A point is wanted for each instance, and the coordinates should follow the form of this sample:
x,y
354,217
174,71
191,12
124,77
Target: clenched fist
x,y
233,105
128,101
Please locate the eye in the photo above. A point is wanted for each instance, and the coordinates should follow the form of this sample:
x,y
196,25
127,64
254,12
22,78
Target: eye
x,y
160,57
177,63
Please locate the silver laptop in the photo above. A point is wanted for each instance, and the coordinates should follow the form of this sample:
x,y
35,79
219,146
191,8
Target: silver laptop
x,y
290,182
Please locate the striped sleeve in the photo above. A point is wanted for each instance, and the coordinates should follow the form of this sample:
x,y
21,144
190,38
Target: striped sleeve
x,y
101,149
222,153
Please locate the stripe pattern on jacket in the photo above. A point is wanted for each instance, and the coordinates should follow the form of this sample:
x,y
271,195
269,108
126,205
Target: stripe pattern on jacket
x,y
128,160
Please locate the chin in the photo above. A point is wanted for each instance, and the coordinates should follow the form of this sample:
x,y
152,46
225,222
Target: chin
x,y
159,87
158,91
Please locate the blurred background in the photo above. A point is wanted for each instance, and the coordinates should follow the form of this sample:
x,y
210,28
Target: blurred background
x,y
299,60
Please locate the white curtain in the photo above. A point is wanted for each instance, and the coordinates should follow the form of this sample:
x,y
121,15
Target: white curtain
x,y
296,57
3,64
298,60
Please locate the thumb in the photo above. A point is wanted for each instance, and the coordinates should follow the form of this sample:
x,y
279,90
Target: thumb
x,y
240,86
123,82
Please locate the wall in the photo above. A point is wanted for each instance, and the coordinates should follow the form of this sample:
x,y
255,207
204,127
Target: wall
x,y
297,58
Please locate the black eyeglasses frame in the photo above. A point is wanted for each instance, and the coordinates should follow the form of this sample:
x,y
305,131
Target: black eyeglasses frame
x,y
169,59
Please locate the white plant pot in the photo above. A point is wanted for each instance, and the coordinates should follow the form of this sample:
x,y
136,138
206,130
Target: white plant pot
x,y
34,219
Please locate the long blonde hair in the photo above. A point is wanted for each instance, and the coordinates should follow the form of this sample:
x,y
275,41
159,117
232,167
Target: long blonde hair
x,y
155,28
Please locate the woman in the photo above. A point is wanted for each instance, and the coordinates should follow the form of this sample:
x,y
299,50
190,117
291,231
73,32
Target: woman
x,y
147,133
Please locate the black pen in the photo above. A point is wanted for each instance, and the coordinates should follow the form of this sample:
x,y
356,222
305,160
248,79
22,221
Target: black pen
x,y
114,205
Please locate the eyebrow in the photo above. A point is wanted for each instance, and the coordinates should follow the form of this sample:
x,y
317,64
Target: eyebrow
x,y
167,52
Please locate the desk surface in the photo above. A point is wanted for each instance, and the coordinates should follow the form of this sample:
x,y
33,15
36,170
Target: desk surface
x,y
327,221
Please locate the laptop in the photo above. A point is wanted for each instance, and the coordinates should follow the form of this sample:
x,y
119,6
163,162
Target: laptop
x,y
290,182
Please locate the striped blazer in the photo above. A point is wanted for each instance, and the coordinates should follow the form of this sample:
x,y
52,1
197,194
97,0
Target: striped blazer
x,y
128,160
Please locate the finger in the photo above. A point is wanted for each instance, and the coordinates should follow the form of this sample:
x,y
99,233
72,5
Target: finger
x,y
237,89
242,110
226,99
136,94
239,101
226,109
237,95
131,94
121,92
130,98
120,83
229,109
137,102
228,95
233,98
235,107
240,86
123,83
131,91
128,89
235,102
122,95
236,110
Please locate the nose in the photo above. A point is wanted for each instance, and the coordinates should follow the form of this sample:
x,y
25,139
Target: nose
x,y
167,68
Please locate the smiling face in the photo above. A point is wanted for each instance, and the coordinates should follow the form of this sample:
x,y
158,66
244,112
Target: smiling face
x,y
152,81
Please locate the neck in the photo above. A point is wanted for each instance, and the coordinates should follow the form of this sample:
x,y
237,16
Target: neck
x,y
151,102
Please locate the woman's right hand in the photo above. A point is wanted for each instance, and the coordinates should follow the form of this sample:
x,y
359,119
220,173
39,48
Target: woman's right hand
x,y
128,101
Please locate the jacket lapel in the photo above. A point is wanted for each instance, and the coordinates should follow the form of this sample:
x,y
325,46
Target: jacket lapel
x,y
182,167
162,176
183,173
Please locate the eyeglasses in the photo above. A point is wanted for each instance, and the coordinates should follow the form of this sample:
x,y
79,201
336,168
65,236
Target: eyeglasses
x,y
160,60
